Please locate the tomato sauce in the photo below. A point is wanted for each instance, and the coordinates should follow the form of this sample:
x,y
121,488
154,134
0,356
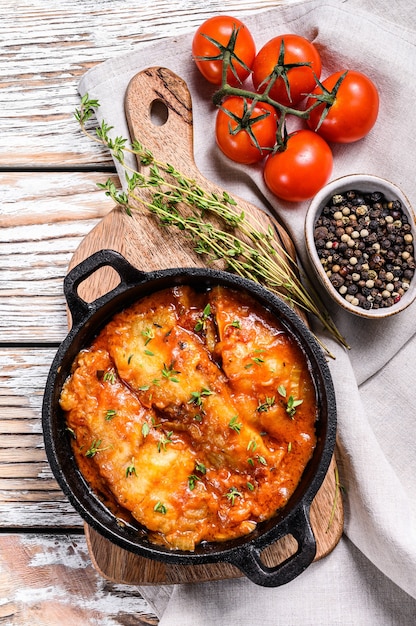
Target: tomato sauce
x,y
193,412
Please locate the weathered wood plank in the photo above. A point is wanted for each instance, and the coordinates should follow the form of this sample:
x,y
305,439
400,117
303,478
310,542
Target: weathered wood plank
x,y
26,455
49,579
28,470
18,441
16,425
43,218
34,497
47,46
26,510
29,494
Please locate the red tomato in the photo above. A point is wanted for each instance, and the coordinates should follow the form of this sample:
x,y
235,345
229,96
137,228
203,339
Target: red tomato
x,y
353,112
205,51
301,80
245,143
302,169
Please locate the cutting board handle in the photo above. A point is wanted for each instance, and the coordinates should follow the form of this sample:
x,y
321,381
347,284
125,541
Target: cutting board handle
x,y
158,109
170,138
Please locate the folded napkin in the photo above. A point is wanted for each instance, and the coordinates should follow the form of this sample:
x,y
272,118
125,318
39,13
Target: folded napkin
x,y
370,577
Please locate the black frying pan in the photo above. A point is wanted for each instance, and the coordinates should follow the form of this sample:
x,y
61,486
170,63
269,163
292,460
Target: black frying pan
x,y
244,553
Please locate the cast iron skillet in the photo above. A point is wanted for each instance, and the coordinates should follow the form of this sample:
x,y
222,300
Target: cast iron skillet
x,y
244,553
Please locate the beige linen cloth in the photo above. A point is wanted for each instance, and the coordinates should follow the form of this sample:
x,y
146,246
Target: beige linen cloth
x,y
370,577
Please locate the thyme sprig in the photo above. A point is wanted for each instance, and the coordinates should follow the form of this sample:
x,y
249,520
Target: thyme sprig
x,y
218,229
291,402
232,494
339,489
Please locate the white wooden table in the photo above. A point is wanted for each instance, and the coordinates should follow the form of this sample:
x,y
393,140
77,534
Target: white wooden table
x,y
49,202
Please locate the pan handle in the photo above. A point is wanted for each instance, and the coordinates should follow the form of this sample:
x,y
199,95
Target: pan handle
x,y
78,307
248,558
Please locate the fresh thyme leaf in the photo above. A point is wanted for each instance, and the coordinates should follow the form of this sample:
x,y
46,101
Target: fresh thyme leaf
x,y
110,377
200,467
71,432
110,413
131,469
197,396
281,390
232,494
247,247
170,373
160,508
87,109
202,322
266,405
148,334
94,448
162,443
291,403
234,424
102,133
192,481
291,406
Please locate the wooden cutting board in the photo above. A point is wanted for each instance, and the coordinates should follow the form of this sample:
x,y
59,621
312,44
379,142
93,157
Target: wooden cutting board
x,y
159,113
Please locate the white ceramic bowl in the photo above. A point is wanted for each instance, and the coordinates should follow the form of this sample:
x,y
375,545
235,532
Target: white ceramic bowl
x,y
365,184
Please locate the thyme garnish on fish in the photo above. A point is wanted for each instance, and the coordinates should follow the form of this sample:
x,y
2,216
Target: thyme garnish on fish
x,y
247,246
232,494
94,448
291,402
160,508
131,469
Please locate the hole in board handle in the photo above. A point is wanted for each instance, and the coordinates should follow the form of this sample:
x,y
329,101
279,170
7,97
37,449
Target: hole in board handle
x,y
159,112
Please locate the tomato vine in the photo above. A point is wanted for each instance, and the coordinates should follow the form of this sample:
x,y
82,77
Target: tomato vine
x,y
285,83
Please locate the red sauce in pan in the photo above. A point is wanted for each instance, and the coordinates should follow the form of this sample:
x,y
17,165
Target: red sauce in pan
x,y
195,412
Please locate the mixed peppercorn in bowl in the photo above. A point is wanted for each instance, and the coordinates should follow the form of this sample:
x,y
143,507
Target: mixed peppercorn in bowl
x,y
360,232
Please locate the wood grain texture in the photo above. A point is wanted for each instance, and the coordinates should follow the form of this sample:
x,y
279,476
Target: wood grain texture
x,y
48,45
48,203
149,246
49,580
29,495
43,218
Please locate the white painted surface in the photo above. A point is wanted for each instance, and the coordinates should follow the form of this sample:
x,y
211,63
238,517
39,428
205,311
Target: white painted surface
x,y
48,202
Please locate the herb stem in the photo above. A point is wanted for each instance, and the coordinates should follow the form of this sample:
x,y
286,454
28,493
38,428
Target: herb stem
x,y
248,248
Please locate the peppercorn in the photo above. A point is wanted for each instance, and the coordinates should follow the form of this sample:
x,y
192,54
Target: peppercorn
x,y
352,289
336,280
366,247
